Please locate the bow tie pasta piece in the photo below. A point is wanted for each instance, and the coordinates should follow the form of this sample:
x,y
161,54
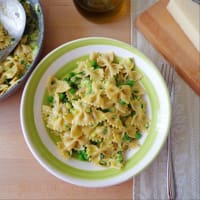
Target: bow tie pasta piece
x,y
25,51
113,120
107,62
122,108
3,87
67,144
133,75
99,101
97,96
11,72
76,131
4,38
57,86
105,59
85,115
125,93
139,119
91,70
97,75
111,90
111,70
116,93
127,64
55,119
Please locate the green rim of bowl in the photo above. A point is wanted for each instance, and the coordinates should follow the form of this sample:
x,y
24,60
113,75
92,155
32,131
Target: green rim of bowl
x,y
44,156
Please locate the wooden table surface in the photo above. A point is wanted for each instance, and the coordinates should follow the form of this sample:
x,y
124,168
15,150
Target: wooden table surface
x,y
21,176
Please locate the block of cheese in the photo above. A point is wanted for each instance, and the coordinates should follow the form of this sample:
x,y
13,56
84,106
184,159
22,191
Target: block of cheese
x,y
187,15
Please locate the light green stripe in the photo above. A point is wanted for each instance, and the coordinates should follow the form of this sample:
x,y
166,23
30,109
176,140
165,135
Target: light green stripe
x,y
33,136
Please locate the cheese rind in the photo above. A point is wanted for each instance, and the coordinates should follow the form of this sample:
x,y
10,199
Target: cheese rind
x,y
187,14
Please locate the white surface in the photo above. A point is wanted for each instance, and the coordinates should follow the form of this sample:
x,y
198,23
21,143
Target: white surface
x,y
187,14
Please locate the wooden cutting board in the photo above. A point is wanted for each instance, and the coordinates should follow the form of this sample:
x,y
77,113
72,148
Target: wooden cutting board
x,y
159,27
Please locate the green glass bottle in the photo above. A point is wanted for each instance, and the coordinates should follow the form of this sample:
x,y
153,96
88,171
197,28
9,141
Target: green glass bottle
x,y
98,6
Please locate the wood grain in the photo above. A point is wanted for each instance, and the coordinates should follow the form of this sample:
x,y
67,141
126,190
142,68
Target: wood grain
x,y
21,176
64,23
163,32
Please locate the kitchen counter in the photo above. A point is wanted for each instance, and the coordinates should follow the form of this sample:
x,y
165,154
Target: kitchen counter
x,y
21,176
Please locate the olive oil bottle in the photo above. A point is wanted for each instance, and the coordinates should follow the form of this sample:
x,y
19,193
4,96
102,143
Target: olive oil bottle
x,y
98,7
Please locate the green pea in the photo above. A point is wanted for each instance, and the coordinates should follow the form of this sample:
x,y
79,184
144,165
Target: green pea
x,y
122,102
130,83
63,97
82,155
133,113
94,63
127,138
73,90
119,157
71,74
138,135
50,99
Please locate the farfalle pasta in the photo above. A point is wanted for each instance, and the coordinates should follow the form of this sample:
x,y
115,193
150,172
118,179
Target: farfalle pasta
x,y
13,67
98,110
4,37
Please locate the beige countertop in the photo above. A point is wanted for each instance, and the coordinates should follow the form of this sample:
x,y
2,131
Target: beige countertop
x,y
21,176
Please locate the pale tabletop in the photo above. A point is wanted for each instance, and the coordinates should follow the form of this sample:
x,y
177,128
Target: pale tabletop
x,y
21,176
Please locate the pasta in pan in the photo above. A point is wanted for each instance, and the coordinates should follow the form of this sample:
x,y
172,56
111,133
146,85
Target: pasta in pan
x,y
18,62
97,110
4,38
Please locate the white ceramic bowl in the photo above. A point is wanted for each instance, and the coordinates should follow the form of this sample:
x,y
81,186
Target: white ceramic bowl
x,y
61,61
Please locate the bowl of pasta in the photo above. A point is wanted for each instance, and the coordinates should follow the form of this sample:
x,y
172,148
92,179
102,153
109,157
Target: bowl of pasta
x,y
95,112
17,66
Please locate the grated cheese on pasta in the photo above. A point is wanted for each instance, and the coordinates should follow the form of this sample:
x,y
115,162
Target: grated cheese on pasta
x,y
97,110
